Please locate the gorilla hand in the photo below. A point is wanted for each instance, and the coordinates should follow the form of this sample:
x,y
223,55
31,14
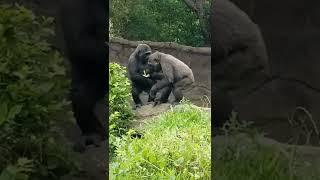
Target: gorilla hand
x,y
150,82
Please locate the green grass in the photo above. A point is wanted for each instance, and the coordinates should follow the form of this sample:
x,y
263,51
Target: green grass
x,y
175,146
244,159
263,163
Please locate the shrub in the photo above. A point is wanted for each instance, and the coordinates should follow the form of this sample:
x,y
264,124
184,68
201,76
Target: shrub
x,y
120,112
175,146
161,20
32,91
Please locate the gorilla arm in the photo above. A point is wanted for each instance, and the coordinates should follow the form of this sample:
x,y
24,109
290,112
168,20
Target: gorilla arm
x,y
167,70
157,75
167,80
83,40
136,77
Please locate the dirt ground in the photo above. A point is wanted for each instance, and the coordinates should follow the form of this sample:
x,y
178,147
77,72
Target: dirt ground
x,y
93,162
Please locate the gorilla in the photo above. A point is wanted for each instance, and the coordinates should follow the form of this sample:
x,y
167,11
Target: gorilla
x,y
138,62
138,67
161,90
84,26
238,51
175,71
222,109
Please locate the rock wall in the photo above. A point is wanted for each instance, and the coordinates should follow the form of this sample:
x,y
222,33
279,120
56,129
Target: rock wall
x,y
198,59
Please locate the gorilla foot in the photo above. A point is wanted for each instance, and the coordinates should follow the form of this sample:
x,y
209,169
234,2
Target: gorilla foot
x,y
156,103
175,103
80,146
136,106
150,98
86,140
93,139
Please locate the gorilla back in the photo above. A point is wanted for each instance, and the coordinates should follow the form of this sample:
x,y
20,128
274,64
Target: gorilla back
x,y
84,26
175,72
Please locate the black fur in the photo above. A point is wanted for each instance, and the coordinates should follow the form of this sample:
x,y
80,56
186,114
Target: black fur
x,y
160,91
84,25
137,64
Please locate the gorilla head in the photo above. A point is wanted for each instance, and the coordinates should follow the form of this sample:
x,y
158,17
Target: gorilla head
x,y
142,53
154,58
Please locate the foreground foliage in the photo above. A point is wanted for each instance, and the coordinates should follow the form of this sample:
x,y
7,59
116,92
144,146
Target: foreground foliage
x,y
175,146
120,112
32,91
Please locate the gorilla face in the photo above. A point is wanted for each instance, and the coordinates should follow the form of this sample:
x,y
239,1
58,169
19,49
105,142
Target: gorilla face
x,y
150,68
154,58
144,57
144,52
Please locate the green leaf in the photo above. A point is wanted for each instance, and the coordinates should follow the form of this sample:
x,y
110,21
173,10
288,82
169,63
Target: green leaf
x,y
14,111
45,87
9,173
20,74
3,113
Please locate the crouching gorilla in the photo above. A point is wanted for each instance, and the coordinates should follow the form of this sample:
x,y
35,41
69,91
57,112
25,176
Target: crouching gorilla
x,y
160,91
239,56
175,71
138,67
84,25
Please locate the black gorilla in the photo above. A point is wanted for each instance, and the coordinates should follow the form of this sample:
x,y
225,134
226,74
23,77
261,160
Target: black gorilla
x,y
160,91
138,62
222,108
238,49
84,25
177,74
138,68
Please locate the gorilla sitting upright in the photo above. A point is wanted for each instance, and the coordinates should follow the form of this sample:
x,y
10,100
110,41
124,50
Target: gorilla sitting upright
x,y
239,57
137,67
84,26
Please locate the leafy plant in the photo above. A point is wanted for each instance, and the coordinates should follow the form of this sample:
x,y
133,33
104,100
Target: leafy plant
x,y
19,171
119,103
175,146
33,88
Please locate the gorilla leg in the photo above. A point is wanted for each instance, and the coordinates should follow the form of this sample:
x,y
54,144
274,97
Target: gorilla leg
x,y
222,107
88,57
156,87
135,95
179,87
162,95
83,107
